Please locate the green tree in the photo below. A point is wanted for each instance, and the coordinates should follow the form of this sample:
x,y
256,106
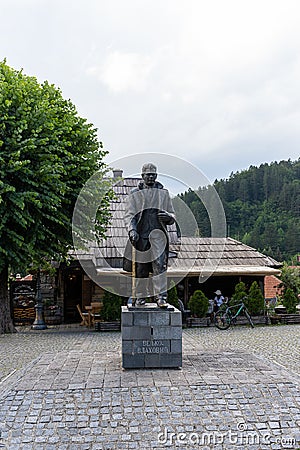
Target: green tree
x,y
290,277
172,295
255,302
262,206
289,301
239,292
111,306
198,304
47,153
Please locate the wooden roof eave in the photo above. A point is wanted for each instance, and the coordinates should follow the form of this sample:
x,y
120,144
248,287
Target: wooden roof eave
x,y
219,271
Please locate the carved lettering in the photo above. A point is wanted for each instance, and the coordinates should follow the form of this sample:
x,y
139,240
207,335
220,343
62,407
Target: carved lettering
x,y
153,346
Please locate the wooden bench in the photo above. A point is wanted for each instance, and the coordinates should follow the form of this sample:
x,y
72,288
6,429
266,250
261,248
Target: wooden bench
x,y
241,320
107,326
257,320
289,318
197,322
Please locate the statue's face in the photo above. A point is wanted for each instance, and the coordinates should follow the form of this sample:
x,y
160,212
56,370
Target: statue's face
x,y
149,178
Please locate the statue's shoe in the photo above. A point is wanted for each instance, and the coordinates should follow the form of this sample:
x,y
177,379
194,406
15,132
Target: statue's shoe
x,y
140,301
130,301
161,302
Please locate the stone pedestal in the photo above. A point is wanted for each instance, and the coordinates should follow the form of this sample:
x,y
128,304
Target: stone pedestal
x,y
151,337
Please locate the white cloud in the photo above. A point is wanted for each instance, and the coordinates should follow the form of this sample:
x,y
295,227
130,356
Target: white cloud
x,y
122,72
216,81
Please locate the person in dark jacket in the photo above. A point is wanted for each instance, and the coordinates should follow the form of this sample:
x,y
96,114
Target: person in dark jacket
x,y
149,210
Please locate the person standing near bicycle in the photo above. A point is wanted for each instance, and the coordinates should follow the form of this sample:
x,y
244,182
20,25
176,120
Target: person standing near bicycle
x,y
218,300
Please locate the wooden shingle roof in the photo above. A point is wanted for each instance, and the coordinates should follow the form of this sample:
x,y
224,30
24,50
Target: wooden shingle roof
x,y
224,256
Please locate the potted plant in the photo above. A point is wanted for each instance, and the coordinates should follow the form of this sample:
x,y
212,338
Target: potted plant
x,y
289,301
280,308
275,311
240,292
110,313
198,304
255,302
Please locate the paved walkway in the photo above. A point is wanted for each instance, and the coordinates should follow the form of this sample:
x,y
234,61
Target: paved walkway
x,y
64,388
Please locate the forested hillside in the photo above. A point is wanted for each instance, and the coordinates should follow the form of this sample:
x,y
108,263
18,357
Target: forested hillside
x,y
262,207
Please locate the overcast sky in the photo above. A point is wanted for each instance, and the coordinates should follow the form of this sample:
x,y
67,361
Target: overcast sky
x,y
214,82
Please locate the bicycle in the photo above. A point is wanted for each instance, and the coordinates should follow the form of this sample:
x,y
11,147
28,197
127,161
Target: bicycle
x,y
225,316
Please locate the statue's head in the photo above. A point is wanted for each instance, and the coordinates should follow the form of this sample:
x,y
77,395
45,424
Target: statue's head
x,y
149,174
149,168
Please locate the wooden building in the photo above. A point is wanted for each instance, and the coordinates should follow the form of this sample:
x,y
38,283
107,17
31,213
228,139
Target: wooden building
x,y
198,263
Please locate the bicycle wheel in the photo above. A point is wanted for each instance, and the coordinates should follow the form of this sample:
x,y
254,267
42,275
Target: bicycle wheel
x,y
222,320
249,319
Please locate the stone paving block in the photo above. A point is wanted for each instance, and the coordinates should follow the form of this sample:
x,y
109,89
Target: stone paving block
x,y
171,360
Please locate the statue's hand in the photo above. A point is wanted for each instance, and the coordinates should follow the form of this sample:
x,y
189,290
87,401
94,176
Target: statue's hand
x,y
133,236
164,217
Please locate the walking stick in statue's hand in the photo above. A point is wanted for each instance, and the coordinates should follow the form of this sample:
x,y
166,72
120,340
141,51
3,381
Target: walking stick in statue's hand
x,y
133,293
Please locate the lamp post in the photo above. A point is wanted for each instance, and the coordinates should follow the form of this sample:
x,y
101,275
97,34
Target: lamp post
x,y
39,323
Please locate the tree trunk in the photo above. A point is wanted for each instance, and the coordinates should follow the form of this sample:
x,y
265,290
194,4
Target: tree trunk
x,y
6,323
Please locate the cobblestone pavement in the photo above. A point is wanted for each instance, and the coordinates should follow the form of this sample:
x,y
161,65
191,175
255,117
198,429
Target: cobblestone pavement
x,y
64,388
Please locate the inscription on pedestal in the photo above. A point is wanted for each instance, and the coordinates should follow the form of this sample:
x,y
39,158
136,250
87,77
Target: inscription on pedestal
x,y
153,347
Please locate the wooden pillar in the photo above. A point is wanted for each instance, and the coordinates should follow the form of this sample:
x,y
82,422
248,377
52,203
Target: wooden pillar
x,y
186,291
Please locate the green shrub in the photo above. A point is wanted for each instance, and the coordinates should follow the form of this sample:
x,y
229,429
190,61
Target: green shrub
x,y
111,309
290,277
198,304
172,295
239,292
255,301
289,301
